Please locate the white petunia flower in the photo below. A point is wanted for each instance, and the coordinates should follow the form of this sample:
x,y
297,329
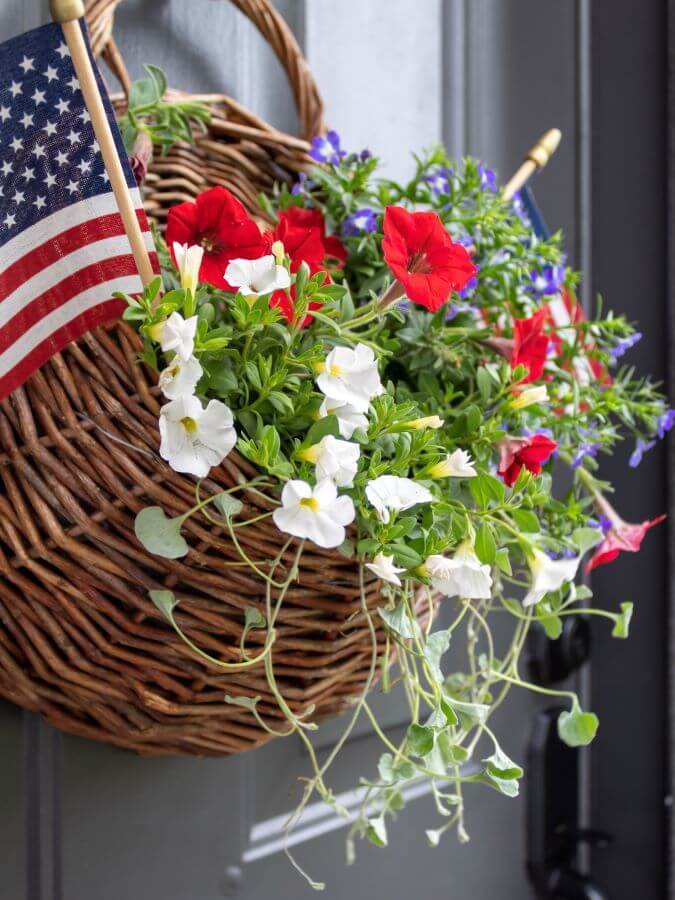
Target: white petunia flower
x,y
349,419
351,376
257,277
462,575
315,513
334,459
195,438
457,464
178,335
383,566
529,396
188,263
390,492
180,377
548,575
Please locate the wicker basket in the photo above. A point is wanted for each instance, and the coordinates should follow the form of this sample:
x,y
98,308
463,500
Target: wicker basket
x,y
80,641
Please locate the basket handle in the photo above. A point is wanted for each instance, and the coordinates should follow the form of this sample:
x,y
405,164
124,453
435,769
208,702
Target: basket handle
x,y
268,21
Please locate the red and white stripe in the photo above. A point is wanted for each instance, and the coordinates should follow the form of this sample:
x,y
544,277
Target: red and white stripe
x,y
57,280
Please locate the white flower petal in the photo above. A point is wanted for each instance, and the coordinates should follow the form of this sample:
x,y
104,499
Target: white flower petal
x,y
178,335
383,566
349,419
257,277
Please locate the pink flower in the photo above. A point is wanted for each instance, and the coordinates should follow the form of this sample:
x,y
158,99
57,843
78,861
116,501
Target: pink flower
x,y
620,536
530,451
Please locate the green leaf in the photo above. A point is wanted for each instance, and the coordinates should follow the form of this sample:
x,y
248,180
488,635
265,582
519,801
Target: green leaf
x,y
526,520
377,831
500,766
398,620
165,601
585,538
143,93
405,556
485,383
253,618
319,430
245,702
469,713
434,648
577,728
485,547
228,505
160,535
420,740
503,561
158,77
622,621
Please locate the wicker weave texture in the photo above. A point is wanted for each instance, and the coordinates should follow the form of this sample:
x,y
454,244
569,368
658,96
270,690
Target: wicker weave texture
x,y
80,641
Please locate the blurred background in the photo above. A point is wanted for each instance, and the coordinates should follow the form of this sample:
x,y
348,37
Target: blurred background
x,y
487,77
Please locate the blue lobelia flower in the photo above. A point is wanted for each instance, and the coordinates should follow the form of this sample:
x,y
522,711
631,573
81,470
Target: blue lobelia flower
x,y
302,184
549,280
665,422
361,221
625,344
641,448
488,179
519,209
326,148
439,181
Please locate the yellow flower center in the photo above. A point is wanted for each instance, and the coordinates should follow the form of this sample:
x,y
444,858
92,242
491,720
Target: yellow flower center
x,y
310,502
189,424
335,371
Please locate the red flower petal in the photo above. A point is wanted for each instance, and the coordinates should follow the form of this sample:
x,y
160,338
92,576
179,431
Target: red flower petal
x,y
622,537
530,345
531,451
423,257
218,222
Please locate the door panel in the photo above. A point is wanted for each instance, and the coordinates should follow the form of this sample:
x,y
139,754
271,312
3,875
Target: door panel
x,y
487,77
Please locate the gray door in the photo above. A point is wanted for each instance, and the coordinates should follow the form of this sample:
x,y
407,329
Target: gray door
x,y
83,821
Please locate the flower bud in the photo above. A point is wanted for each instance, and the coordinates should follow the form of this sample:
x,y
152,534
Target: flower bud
x,y
529,396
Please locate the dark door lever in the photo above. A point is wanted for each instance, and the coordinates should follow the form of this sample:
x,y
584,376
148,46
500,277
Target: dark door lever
x,y
553,830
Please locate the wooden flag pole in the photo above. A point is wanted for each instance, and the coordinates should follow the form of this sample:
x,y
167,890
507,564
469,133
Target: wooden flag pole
x,y
536,159
68,13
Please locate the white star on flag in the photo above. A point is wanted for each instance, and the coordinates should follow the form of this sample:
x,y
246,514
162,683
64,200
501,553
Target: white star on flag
x,y
26,120
50,128
62,158
63,106
72,187
16,144
63,50
38,97
51,74
4,113
15,88
26,64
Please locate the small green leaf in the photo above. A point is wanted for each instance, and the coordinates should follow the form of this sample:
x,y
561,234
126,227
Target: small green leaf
x,y
245,702
585,538
228,505
485,547
160,535
420,740
326,425
377,831
577,728
398,620
434,648
165,601
622,621
158,77
526,520
503,561
500,766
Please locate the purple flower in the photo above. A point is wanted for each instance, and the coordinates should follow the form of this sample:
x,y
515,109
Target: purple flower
x,y
588,446
625,344
470,286
565,553
365,155
549,280
439,181
454,309
488,180
326,148
605,523
641,448
362,221
302,184
665,422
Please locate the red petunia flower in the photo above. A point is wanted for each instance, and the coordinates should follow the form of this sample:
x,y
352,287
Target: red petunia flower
x,y
530,345
219,223
515,452
303,234
285,302
423,257
620,536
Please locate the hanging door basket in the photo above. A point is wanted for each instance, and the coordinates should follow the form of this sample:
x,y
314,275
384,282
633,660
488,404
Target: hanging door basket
x,y
80,640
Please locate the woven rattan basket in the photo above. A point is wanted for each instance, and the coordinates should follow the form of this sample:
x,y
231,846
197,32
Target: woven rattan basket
x,y
80,641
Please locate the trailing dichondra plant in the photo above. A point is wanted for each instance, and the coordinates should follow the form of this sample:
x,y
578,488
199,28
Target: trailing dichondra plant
x,y
408,369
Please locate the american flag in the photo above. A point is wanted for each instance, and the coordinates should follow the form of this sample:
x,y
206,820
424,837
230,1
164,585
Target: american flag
x,y
63,250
